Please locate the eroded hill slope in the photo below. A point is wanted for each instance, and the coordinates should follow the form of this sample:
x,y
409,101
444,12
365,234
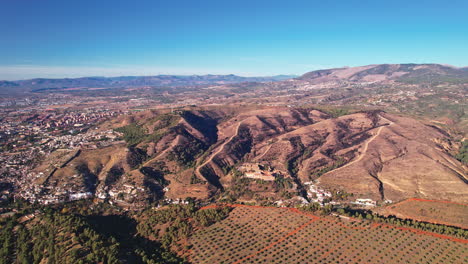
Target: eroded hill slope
x,y
268,153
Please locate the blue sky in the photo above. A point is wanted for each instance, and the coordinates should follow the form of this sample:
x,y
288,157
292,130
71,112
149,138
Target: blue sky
x,y
46,38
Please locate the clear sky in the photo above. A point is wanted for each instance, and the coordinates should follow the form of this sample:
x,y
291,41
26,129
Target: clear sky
x,y
59,38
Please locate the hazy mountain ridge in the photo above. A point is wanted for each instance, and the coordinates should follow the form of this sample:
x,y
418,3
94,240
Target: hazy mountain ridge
x,y
413,73
127,81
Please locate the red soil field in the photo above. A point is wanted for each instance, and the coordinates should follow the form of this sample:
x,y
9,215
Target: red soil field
x,y
259,234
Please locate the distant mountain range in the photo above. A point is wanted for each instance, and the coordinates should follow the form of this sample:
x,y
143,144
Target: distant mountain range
x,y
407,73
132,81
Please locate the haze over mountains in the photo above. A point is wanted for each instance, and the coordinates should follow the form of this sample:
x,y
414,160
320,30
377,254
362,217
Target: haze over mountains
x,y
126,81
369,73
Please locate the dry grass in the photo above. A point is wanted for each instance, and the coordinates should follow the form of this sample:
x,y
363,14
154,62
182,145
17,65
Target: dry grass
x,y
447,213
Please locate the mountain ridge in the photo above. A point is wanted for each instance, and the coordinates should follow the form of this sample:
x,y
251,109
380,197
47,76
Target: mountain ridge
x,y
408,72
125,81
210,152
386,72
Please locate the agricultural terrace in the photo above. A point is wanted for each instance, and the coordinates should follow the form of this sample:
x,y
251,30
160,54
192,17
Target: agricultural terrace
x,y
439,212
254,234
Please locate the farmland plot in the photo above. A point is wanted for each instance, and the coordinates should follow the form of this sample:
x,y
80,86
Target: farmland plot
x,y
280,235
441,212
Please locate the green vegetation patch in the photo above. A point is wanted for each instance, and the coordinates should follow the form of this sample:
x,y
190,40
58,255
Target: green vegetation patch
x,y
463,153
133,134
171,224
165,120
335,112
77,232
319,172
185,154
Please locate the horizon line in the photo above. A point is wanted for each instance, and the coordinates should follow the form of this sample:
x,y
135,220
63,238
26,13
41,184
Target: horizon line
x,y
71,72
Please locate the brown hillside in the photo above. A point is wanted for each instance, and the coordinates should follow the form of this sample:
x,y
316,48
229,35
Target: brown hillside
x,y
402,160
200,152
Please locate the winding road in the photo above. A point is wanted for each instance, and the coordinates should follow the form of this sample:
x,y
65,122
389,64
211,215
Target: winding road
x,y
366,145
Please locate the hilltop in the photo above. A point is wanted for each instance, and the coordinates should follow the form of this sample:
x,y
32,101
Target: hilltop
x,y
267,154
407,73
